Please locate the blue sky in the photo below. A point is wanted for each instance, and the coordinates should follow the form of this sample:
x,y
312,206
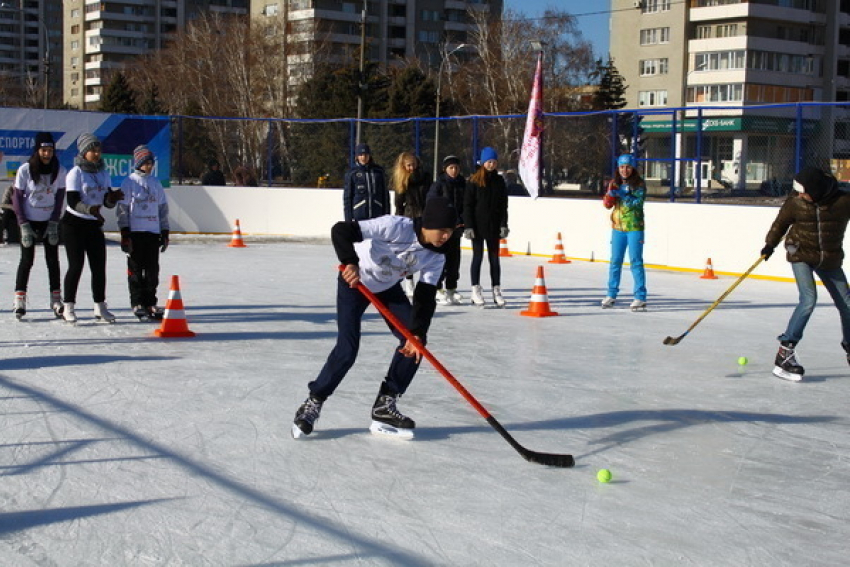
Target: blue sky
x,y
593,25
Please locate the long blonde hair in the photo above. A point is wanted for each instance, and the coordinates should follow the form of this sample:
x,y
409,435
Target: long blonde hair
x,y
400,176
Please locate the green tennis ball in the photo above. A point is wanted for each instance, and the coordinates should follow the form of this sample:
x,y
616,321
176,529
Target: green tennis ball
x,y
742,360
604,475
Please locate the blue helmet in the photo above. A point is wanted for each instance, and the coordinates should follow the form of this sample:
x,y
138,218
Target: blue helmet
x,y
626,159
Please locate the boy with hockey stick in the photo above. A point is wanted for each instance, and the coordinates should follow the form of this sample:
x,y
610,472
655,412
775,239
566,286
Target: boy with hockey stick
x,y
380,253
815,217
143,220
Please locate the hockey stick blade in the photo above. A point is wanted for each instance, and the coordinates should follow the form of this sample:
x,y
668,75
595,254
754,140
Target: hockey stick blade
x,y
549,459
674,341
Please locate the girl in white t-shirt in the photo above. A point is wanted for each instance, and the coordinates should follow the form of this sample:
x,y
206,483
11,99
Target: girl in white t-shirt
x,y
38,196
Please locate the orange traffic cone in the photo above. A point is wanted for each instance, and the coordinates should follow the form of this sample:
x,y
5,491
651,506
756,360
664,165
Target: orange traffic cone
x,y
236,241
558,257
539,304
503,249
174,320
708,274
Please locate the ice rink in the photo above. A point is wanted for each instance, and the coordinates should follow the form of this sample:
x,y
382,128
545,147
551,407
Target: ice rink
x,y
123,449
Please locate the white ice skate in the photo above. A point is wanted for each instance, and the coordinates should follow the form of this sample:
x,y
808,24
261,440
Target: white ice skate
x,y
477,297
69,314
608,303
101,313
20,304
455,297
497,296
443,297
638,305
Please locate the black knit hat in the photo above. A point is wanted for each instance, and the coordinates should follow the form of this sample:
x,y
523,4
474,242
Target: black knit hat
x,y
44,140
439,213
450,160
814,182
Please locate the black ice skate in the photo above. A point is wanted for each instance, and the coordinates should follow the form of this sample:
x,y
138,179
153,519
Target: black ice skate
x,y
306,416
787,366
387,420
155,313
846,347
142,313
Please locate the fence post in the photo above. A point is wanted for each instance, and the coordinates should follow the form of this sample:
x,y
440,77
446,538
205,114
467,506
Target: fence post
x,y
798,142
474,142
615,143
699,156
269,154
417,132
180,150
352,137
674,178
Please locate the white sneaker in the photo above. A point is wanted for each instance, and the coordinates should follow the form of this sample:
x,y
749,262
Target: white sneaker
x,y
638,305
454,297
477,297
608,303
68,313
497,296
102,313
408,287
443,297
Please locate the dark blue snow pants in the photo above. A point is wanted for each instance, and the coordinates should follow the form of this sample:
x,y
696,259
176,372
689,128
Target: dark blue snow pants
x,y
350,306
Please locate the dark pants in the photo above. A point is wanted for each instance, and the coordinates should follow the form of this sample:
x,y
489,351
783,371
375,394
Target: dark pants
x,y
350,306
84,238
492,259
143,268
51,256
451,271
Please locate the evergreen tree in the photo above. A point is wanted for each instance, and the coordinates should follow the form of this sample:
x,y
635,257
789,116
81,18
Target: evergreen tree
x,y
612,88
118,96
198,148
151,104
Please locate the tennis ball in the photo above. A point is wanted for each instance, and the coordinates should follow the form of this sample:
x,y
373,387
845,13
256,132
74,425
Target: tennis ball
x,y
604,475
742,360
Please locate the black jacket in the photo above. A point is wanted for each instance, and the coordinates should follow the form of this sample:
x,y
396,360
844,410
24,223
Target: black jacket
x,y
364,193
486,208
451,188
213,177
411,203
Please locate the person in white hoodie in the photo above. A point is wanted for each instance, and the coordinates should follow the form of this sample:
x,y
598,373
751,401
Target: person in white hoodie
x,y
143,220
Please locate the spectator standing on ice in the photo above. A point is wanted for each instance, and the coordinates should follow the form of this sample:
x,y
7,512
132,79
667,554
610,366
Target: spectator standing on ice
x,y
365,194
410,183
625,197
143,220
379,253
213,175
451,185
10,223
485,216
87,189
815,218
38,198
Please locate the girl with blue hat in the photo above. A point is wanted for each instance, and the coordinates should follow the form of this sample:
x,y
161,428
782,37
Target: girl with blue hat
x,y
625,197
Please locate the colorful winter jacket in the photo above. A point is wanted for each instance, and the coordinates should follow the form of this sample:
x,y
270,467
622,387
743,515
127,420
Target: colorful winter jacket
x,y
816,232
627,204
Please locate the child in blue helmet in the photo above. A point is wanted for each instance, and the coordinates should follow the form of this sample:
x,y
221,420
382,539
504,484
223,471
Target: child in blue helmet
x,y
625,197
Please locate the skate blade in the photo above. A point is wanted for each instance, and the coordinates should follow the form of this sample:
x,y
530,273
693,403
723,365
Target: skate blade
x,y
785,375
380,428
296,432
105,321
638,309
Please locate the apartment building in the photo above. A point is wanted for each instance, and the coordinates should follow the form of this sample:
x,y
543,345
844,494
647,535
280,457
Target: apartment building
x,y
98,37
30,49
733,53
395,29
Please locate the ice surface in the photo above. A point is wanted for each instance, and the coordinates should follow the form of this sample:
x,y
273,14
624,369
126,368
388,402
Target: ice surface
x,y
123,449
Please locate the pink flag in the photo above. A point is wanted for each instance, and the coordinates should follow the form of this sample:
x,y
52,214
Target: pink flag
x,y
530,155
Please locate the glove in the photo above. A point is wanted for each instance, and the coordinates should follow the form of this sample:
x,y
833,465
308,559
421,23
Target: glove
x,y
126,242
503,232
113,197
27,235
767,252
53,233
469,234
163,241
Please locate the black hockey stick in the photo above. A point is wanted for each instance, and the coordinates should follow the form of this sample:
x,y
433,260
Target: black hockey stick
x,y
674,341
550,459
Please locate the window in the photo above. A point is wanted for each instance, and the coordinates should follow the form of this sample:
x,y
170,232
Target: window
x,y
652,98
654,6
727,30
719,60
703,32
75,29
270,9
716,93
654,36
650,67
75,13
75,44
426,36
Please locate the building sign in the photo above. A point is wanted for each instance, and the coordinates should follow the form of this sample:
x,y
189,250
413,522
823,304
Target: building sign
x,y
747,124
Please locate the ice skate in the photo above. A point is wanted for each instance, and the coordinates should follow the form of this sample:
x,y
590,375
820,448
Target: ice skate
x,y
787,366
846,348
497,296
454,297
638,305
608,303
387,420
155,313
68,313
443,297
101,313
56,303
20,304
477,297
306,417
141,312
408,287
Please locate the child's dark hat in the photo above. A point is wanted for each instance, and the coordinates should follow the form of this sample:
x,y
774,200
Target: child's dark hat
x,y
439,213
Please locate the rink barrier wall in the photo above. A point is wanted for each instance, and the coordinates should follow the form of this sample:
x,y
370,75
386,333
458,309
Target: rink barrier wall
x,y
679,236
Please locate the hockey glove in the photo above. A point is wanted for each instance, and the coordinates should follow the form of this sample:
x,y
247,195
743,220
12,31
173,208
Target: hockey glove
x,y
503,232
27,235
163,241
469,234
53,233
767,252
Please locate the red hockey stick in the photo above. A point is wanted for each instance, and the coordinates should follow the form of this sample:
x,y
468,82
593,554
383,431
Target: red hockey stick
x,y
551,459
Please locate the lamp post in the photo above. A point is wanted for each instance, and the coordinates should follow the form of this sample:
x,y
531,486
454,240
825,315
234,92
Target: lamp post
x,y
46,61
361,84
443,60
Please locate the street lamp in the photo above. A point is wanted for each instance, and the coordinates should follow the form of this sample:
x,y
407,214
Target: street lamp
x,y
361,83
46,61
443,60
